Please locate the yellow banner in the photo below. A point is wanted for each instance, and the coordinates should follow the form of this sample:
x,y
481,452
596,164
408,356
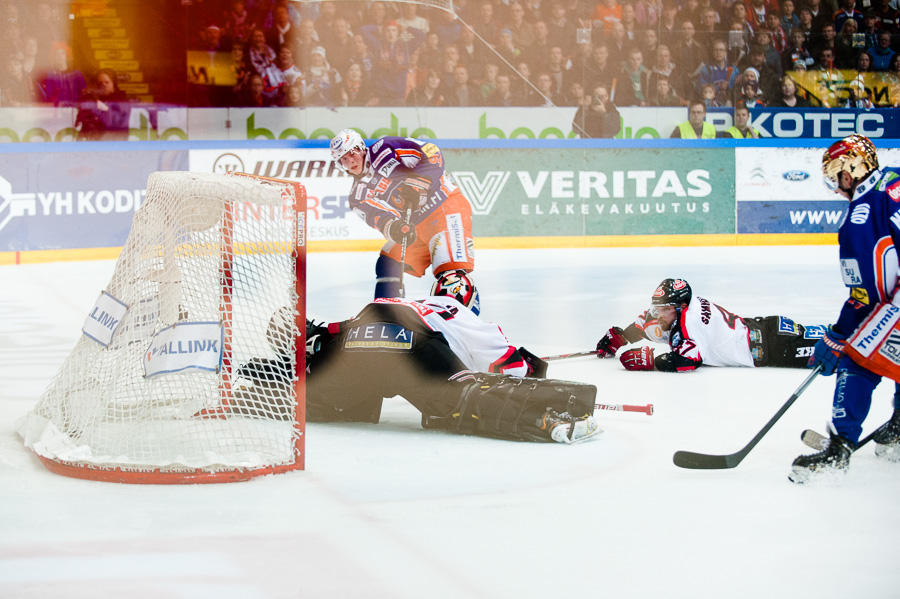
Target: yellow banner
x,y
831,88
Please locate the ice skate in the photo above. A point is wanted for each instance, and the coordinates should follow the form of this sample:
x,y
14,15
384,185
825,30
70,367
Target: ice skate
x,y
834,459
568,429
887,441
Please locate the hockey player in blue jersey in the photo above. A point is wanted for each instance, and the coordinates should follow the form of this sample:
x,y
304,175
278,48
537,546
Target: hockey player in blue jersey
x,y
868,239
401,189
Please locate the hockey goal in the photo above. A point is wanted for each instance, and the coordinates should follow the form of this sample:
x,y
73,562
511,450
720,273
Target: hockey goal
x,y
211,278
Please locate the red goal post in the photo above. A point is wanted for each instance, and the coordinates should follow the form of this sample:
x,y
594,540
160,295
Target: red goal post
x,y
211,279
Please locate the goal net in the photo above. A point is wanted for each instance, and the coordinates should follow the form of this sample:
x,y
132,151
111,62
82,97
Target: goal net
x,y
211,279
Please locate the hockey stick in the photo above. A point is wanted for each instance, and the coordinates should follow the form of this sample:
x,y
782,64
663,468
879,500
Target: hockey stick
x,y
817,441
403,245
578,354
648,409
703,461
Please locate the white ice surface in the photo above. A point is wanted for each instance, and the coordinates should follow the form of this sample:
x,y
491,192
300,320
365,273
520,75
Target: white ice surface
x,y
393,511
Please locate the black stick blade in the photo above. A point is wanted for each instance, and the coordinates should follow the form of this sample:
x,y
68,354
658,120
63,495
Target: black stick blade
x,y
703,461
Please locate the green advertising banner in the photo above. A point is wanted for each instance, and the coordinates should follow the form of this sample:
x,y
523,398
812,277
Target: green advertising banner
x,y
562,192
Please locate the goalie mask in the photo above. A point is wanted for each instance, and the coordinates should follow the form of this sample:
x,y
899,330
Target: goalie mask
x,y
459,286
854,154
347,141
671,292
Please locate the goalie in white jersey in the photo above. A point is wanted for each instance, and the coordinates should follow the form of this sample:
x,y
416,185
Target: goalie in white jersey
x,y
700,332
459,371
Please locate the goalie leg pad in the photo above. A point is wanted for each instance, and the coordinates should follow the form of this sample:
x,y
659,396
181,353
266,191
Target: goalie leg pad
x,y
508,407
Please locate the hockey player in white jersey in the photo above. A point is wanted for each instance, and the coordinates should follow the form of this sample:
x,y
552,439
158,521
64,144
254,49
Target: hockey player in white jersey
x,y
700,332
459,371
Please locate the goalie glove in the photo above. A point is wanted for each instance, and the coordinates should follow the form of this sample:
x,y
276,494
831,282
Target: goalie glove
x,y
610,343
395,230
638,359
828,352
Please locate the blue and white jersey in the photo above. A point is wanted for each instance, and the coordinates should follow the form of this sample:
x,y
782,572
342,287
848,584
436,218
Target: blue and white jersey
x,y
868,240
374,195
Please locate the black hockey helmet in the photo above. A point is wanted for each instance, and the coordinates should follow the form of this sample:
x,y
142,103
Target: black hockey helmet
x,y
672,292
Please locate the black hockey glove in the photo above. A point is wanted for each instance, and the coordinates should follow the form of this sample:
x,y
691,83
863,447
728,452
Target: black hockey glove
x,y
610,343
396,229
317,336
413,192
537,368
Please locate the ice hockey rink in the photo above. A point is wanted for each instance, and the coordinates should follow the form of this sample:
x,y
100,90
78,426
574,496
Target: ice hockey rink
x,y
394,511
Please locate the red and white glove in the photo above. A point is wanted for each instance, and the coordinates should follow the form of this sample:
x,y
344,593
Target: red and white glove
x,y
638,359
610,343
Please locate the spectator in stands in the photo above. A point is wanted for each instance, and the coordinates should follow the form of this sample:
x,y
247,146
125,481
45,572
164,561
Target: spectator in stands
x,y
284,75
409,18
485,22
254,95
450,60
883,54
63,85
522,30
633,88
870,28
506,48
888,18
562,27
447,27
339,44
488,82
474,53
708,96
597,68
739,15
663,94
648,13
16,87
688,54
559,66
391,60
709,29
362,55
718,72
649,43
756,14
104,112
429,93
538,53
668,27
618,44
847,12
825,38
575,95
354,89
503,95
599,119
629,23
696,126
738,47
796,51
690,11
767,78
32,61
773,58
521,84
375,15
320,79
789,18
544,94
806,24
821,14
294,97
431,55
864,62
776,32
848,45
461,92
282,29
741,128
749,95
606,13
664,67
328,12
788,97
238,23
306,39
261,55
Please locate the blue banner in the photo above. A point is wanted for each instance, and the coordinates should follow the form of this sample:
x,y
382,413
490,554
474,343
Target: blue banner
x,y
791,217
815,123
75,200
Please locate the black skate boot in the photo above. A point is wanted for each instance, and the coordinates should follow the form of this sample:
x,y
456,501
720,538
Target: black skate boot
x,y
887,440
833,459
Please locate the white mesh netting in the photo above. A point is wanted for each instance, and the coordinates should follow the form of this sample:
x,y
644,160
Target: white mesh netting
x,y
219,257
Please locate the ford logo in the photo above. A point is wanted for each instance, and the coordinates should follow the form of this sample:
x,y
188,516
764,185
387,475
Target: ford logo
x,y
795,175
